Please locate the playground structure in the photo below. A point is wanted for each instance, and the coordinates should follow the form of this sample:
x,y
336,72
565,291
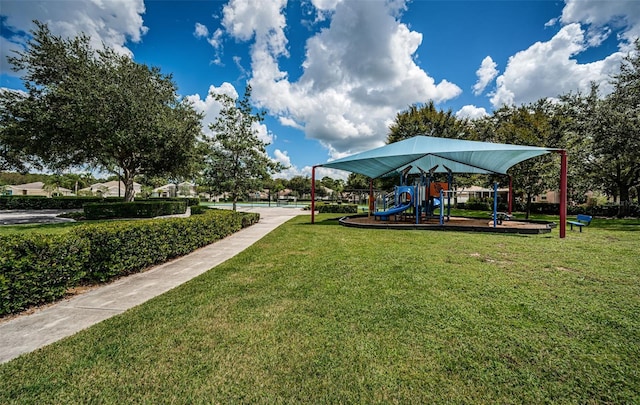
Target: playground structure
x,y
415,205
421,198
443,155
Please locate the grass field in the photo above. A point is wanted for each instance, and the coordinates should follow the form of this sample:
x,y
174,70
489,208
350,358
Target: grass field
x,y
327,314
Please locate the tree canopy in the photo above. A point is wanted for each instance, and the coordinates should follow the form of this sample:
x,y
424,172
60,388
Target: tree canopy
x,y
426,119
237,161
84,106
601,135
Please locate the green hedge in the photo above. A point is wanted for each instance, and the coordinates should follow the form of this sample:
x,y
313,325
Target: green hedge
x,y
44,203
135,209
198,209
544,208
37,202
191,201
36,269
324,208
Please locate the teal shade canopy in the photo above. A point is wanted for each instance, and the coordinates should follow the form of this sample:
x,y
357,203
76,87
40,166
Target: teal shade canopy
x,y
437,154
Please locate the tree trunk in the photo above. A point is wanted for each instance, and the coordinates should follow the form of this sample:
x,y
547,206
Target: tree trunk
x,y
624,193
528,206
127,179
235,201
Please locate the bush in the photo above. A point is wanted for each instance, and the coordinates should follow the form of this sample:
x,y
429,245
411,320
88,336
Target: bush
x,y
38,202
191,201
43,203
120,248
474,203
324,208
198,209
135,209
35,269
608,210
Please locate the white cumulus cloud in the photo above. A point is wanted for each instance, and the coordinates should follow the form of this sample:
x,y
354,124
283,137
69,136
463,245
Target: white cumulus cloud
x,y
211,110
601,17
112,22
357,72
201,31
471,112
486,73
548,69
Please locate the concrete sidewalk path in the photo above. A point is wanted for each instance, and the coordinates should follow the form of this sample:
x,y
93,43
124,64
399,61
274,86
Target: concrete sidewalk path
x,y
27,333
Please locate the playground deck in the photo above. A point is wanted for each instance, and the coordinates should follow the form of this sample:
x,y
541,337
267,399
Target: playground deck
x,y
462,224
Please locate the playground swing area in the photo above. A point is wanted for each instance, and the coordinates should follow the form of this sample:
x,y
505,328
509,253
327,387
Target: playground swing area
x,y
426,204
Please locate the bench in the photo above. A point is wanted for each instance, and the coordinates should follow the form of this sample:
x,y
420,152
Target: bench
x,y
581,220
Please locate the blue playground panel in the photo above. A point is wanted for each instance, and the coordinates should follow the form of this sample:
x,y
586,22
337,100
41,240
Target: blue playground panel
x,y
398,208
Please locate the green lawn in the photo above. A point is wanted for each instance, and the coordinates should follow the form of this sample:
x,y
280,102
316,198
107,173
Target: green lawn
x,y
61,227
328,314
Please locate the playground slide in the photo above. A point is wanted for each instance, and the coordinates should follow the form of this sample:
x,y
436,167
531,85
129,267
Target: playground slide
x,y
384,215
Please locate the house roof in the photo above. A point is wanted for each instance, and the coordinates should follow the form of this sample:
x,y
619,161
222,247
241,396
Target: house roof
x,y
113,184
172,186
427,153
38,185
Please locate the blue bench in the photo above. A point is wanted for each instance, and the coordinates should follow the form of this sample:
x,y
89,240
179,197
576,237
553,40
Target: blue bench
x,y
581,220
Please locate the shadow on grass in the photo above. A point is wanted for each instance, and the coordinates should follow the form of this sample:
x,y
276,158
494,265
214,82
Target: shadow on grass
x,y
58,227
620,227
322,221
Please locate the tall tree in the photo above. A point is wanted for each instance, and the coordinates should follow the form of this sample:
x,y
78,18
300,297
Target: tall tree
x,y
617,139
426,120
237,161
535,125
13,153
96,107
604,135
300,185
357,181
581,114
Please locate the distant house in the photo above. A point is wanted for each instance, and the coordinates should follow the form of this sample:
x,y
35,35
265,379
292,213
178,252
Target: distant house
x,y
184,189
482,193
110,189
285,194
463,194
552,197
36,188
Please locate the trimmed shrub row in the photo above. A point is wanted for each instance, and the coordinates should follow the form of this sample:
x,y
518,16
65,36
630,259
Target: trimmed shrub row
x,y
324,208
135,209
617,210
36,269
612,210
191,201
44,203
36,202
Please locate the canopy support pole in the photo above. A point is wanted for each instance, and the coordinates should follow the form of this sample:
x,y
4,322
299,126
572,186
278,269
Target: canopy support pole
x,y
510,194
563,193
371,199
495,205
313,194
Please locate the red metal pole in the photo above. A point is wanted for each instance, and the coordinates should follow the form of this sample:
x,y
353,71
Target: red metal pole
x,y
510,194
563,193
313,194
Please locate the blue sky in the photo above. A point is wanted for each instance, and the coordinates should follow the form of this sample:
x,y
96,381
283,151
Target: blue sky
x,y
332,74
